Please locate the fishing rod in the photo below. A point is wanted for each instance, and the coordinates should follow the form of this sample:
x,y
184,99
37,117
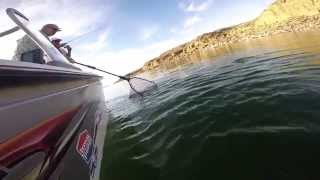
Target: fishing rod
x,y
81,36
134,82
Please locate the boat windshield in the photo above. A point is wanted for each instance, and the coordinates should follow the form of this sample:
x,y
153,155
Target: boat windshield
x,y
27,28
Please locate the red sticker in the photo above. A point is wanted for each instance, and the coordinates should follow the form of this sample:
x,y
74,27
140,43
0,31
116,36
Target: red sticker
x,y
85,146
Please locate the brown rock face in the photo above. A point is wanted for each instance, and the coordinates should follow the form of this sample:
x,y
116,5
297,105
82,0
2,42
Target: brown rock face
x,y
280,17
285,9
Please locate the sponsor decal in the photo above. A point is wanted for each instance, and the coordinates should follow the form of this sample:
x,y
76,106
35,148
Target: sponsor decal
x,y
85,146
98,117
93,162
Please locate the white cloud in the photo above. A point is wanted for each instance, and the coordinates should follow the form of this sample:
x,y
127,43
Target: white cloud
x,y
73,16
147,33
173,30
98,44
126,60
190,21
195,6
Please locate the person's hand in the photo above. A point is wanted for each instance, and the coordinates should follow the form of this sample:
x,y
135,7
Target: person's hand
x,y
68,48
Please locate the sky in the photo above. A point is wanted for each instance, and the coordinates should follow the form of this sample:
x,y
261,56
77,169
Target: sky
x,y
121,35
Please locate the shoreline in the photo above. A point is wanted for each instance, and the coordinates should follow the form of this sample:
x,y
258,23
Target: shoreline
x,y
226,37
274,20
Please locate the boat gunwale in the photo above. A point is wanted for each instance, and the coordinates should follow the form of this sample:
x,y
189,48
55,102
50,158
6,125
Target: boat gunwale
x,y
16,68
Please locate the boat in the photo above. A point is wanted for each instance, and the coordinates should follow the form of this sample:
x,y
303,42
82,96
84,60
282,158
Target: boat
x,y
53,116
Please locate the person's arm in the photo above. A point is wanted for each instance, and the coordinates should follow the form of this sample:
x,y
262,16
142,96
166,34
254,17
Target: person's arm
x,y
68,55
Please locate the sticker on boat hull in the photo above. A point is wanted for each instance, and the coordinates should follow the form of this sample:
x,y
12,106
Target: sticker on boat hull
x,y
85,146
93,162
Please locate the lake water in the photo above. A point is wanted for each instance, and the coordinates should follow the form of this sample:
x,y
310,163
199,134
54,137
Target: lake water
x,y
249,111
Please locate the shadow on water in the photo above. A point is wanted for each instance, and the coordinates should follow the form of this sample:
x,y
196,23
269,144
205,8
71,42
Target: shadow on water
x,y
252,113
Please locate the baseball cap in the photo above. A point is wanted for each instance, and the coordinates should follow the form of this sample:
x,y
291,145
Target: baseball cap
x,y
53,26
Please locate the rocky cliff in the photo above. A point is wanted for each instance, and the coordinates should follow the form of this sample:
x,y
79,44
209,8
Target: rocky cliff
x,y
280,17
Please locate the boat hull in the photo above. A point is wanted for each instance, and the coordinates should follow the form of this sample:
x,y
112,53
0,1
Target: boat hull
x,y
53,122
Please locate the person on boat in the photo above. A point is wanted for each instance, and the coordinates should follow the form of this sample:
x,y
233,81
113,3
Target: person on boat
x,y
63,48
26,44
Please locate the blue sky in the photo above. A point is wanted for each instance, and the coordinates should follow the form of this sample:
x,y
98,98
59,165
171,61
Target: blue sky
x,y
137,23
124,34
